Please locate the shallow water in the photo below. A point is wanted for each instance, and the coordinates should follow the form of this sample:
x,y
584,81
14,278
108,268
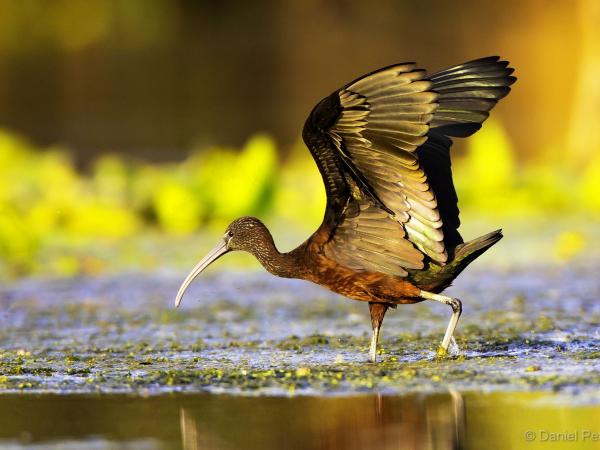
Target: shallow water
x,y
521,329
253,361
417,421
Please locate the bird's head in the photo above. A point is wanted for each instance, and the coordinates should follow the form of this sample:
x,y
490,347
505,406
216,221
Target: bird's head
x,y
244,234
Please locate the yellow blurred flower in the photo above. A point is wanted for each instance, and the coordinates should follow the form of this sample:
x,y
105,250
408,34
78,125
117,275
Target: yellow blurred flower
x,y
238,184
177,207
111,180
590,186
486,175
18,244
569,244
94,220
300,195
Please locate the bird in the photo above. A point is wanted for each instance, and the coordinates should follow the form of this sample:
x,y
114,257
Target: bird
x,y
389,235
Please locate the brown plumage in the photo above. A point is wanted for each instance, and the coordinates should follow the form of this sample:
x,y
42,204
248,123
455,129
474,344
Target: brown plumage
x,y
390,231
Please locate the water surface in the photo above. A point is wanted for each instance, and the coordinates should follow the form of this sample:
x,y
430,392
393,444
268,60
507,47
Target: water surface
x,y
417,421
521,330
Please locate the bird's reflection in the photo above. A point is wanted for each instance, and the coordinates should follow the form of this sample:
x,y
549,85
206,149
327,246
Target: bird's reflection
x,y
194,437
380,422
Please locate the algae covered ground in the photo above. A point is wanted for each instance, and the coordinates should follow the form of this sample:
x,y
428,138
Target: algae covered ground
x,y
523,329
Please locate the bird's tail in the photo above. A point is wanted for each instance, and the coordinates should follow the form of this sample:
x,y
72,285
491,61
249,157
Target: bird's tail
x,y
467,252
437,278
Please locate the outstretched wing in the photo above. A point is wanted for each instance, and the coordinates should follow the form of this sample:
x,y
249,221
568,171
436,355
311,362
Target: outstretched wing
x,y
467,93
367,139
364,138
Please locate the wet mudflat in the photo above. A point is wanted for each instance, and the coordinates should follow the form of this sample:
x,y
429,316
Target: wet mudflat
x,y
288,361
522,329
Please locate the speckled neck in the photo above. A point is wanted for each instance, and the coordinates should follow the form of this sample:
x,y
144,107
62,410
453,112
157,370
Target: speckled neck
x,y
285,265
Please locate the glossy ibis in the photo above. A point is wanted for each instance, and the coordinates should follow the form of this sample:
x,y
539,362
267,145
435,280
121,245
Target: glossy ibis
x,y
390,232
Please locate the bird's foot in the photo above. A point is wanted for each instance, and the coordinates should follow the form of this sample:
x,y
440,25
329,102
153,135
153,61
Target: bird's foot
x,y
452,350
372,356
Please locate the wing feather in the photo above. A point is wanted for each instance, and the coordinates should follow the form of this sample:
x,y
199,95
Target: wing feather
x,y
381,147
381,143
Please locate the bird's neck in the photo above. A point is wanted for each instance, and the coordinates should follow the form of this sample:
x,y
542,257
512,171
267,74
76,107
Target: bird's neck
x,y
286,265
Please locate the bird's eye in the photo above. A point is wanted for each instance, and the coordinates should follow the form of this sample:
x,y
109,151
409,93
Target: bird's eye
x,y
230,233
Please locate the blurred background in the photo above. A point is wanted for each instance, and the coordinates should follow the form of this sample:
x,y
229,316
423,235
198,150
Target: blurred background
x,y
133,131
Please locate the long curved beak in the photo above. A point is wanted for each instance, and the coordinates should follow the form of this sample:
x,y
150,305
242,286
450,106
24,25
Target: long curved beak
x,y
212,256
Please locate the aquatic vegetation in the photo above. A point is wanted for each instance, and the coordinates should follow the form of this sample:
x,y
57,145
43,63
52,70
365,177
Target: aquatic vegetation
x,y
107,334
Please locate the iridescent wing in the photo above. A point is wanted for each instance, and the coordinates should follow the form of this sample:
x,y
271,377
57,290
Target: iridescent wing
x,y
382,148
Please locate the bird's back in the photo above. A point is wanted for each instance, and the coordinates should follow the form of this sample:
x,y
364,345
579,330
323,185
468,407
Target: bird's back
x,y
382,144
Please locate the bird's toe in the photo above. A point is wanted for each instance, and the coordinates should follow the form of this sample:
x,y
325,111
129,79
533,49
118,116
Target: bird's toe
x,y
453,348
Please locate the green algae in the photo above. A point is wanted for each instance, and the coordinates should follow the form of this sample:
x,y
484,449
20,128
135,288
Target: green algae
x,y
81,336
136,369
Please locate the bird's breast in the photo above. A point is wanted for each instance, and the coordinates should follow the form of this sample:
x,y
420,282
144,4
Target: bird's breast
x,y
363,285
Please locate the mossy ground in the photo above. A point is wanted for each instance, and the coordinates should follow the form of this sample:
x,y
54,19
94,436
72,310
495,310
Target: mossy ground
x,y
534,329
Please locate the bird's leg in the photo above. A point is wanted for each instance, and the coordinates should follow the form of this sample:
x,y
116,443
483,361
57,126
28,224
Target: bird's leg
x,y
373,347
377,311
456,306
